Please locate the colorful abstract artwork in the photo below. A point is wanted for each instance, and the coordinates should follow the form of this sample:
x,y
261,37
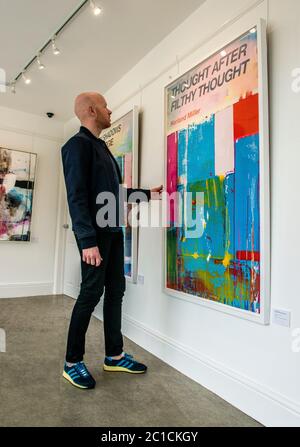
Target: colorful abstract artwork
x,y
121,139
213,151
17,174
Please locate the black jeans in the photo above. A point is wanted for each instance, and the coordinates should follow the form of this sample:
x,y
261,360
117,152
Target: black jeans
x,y
110,274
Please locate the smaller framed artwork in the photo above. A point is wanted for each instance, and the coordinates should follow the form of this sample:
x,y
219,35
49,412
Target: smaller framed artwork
x,y
122,140
17,178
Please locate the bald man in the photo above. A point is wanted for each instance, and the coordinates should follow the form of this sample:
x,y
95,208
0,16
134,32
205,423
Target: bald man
x,y
90,169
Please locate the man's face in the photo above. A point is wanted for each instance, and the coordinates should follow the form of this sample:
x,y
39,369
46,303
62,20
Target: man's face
x,y
103,113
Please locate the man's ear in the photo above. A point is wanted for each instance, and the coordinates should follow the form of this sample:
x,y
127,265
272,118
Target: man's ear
x,y
92,111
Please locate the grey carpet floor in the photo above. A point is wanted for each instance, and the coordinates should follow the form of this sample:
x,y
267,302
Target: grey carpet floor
x,y
34,393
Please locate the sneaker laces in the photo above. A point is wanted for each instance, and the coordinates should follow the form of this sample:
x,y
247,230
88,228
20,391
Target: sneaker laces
x,y
81,368
131,359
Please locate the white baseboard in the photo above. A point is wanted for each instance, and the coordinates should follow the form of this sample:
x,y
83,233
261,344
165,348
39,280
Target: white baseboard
x,y
17,290
71,291
265,405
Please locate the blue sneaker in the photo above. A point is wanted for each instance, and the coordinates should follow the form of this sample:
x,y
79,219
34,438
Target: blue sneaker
x,y
79,376
125,364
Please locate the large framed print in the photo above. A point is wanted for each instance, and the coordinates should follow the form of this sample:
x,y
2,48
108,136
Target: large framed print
x,y
122,140
17,179
217,242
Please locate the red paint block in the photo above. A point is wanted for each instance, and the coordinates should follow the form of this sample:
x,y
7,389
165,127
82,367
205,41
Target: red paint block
x,y
246,117
248,256
172,173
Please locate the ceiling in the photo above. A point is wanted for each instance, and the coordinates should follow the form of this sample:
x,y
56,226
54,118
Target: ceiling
x,y
95,51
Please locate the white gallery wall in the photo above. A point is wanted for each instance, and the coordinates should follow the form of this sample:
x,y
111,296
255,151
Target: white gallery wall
x,y
251,366
27,268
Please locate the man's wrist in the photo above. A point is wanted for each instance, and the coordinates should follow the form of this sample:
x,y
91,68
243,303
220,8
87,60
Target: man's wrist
x,y
88,242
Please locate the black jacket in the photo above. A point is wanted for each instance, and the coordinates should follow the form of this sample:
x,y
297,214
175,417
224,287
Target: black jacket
x,y
88,170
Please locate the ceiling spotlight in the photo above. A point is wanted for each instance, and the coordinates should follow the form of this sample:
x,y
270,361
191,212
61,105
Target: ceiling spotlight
x,y
253,31
96,9
41,66
223,53
13,87
54,47
25,79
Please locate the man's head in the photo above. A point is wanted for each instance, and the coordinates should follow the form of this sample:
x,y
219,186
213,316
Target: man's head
x,y
91,109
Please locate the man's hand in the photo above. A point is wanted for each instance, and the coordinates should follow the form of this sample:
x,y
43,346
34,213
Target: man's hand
x,y
92,256
156,192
